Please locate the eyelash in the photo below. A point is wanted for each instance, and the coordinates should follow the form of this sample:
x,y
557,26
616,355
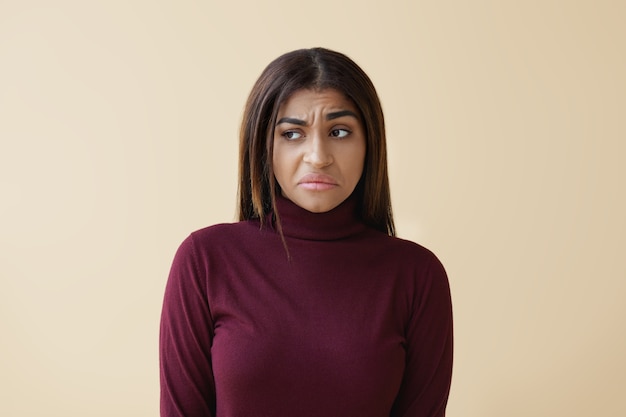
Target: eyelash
x,y
333,133
288,132
339,130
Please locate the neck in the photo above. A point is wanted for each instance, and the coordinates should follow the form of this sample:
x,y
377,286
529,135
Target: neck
x,y
338,223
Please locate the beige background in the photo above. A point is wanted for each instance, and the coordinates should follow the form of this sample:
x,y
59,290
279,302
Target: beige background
x,y
118,129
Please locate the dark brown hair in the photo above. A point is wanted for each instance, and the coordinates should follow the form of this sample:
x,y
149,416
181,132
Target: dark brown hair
x,y
317,69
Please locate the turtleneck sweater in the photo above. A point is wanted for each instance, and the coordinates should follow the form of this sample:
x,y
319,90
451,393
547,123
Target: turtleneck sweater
x,y
344,321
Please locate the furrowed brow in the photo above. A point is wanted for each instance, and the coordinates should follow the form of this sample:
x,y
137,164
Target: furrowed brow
x,y
292,121
342,113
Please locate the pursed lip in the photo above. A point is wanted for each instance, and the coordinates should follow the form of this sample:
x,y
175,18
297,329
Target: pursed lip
x,y
317,179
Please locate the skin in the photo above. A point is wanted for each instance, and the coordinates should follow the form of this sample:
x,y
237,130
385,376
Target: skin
x,y
319,149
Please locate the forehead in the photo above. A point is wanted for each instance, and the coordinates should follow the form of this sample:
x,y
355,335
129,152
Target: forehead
x,y
308,100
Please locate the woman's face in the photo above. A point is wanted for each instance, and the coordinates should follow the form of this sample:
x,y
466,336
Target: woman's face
x,y
319,149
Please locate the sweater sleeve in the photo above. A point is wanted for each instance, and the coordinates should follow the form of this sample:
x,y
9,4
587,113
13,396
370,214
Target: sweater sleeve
x,y
187,386
428,371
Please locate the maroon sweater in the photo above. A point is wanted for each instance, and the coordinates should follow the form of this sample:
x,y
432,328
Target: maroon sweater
x,y
354,324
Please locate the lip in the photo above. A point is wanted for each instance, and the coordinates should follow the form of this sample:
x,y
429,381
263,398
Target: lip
x,y
318,182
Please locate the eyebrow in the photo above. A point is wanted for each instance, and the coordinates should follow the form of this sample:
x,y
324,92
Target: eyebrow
x,y
342,113
329,116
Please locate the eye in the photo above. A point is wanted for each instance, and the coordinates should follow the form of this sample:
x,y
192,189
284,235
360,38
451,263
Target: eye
x,y
339,133
291,135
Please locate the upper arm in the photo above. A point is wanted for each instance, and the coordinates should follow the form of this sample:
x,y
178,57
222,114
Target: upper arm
x,y
187,387
428,371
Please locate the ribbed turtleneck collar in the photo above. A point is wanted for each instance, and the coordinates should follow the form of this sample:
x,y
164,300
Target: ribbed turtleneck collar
x,y
338,223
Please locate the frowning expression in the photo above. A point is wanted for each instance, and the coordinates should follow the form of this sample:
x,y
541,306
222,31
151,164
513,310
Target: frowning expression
x,y
319,148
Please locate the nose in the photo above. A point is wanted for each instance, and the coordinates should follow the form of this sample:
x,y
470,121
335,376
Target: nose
x,y
317,153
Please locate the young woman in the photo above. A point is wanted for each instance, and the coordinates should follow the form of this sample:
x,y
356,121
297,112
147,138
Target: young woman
x,y
308,306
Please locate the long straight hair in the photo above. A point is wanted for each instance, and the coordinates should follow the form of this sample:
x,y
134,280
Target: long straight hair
x,y
315,69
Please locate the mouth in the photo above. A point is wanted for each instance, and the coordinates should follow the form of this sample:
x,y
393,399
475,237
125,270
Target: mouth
x,y
317,182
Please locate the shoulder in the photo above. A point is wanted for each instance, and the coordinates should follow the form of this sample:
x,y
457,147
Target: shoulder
x,y
215,236
412,260
224,235
407,250
426,277
223,232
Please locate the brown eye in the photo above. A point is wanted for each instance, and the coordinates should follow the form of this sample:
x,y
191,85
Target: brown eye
x,y
339,133
292,135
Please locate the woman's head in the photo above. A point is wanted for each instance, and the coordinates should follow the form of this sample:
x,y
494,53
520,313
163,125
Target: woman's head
x,y
317,71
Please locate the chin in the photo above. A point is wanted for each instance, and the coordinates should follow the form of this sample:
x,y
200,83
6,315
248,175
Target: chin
x,y
318,207
315,203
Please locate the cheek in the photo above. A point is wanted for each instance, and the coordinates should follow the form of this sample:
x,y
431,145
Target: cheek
x,y
358,169
352,166
282,163
358,161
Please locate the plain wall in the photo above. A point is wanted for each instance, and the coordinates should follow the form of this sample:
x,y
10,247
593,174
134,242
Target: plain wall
x,y
119,124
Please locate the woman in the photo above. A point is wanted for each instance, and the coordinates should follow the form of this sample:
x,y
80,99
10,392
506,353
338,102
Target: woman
x,y
309,306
